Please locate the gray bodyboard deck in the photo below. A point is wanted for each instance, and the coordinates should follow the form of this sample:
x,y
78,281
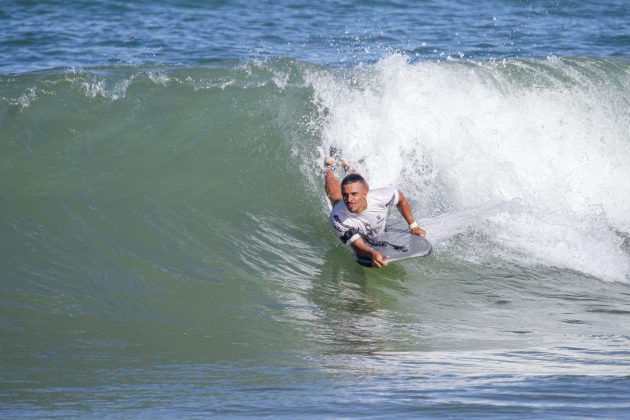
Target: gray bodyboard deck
x,y
397,243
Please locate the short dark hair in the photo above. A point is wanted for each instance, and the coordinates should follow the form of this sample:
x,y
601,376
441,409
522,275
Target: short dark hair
x,y
352,178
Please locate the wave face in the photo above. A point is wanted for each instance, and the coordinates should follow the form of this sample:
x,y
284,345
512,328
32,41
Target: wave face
x,y
167,214
126,191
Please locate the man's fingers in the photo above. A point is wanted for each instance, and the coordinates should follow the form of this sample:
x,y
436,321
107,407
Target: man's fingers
x,y
379,261
419,232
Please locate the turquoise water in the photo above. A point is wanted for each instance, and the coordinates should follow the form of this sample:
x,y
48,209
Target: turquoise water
x,y
163,235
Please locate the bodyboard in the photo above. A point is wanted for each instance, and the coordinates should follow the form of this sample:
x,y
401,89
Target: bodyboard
x,y
397,243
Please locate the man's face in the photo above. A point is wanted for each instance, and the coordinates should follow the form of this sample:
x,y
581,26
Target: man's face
x,y
354,196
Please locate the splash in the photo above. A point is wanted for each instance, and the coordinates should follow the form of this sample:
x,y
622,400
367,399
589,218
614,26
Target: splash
x,y
530,154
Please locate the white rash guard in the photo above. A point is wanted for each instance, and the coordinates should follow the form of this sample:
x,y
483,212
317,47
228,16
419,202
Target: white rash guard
x,y
370,222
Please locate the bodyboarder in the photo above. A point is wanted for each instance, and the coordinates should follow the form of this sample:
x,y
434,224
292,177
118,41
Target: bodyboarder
x,y
359,214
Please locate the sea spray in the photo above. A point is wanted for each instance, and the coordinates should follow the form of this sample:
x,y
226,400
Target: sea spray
x,y
539,147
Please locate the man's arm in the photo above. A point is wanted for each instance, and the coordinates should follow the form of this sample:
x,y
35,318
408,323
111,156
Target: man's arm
x,y
331,183
363,249
405,210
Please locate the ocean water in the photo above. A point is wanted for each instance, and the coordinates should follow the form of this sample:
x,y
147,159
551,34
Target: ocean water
x,y
164,246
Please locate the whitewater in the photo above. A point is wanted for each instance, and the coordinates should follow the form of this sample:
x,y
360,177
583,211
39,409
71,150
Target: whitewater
x,y
518,152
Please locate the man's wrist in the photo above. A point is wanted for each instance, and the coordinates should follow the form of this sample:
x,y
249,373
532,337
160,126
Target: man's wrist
x,y
413,225
329,162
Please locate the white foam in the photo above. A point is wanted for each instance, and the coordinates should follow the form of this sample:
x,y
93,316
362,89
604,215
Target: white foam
x,y
94,85
158,78
105,89
27,97
456,136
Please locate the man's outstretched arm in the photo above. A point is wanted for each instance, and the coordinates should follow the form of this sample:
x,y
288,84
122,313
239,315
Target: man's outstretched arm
x,y
331,183
405,210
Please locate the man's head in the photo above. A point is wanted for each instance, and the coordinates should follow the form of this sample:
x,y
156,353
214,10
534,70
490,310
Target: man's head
x,y
354,191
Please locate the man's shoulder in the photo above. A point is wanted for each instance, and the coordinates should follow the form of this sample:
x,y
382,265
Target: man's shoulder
x,y
340,218
339,210
341,214
384,195
382,191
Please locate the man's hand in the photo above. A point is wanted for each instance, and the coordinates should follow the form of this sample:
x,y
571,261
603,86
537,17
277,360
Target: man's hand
x,y
363,249
378,260
418,231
